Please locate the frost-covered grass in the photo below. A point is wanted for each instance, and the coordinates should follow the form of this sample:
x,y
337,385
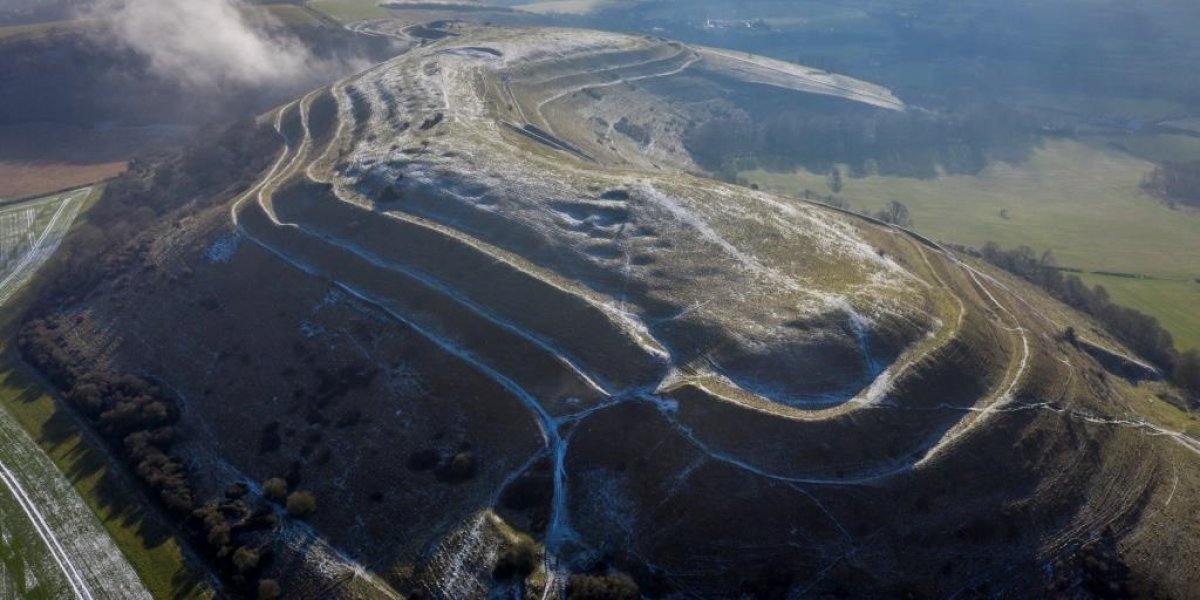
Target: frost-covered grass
x,y
138,537
69,549
27,569
696,267
665,242
29,235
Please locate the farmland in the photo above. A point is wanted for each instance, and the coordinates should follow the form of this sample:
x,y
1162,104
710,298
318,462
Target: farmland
x,y
21,179
1080,201
40,30
350,10
40,158
29,235
133,536
290,14
1175,303
52,544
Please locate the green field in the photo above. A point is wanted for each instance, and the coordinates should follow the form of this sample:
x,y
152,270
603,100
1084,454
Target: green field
x,y
1081,201
27,569
347,11
290,14
1160,148
1176,304
148,544
574,7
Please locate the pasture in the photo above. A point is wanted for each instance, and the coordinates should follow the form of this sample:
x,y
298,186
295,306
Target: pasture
x,y
1176,303
290,14
348,11
573,7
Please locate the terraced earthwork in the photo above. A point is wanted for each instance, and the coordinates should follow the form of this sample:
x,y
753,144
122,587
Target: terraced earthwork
x,y
688,380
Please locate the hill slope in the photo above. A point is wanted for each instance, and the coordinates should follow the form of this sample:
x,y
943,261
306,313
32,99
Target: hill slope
x,y
479,292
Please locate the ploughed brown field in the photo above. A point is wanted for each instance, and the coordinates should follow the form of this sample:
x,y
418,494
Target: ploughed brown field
x,y
41,158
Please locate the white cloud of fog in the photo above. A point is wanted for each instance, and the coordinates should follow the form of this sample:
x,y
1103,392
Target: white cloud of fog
x,y
206,43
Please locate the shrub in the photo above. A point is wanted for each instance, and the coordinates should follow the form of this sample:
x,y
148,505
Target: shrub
x,y
245,559
1176,181
613,586
301,504
275,488
517,561
459,468
268,589
1142,333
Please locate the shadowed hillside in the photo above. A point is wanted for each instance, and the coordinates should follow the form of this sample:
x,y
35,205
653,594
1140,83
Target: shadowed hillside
x,y
484,306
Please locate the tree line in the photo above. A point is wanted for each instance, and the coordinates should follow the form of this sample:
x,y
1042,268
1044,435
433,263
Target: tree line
x,y
1142,333
1175,182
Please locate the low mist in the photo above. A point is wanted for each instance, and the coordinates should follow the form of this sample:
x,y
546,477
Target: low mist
x,y
209,44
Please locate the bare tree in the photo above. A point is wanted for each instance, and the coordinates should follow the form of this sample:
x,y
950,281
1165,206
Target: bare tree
x,y
835,181
896,213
